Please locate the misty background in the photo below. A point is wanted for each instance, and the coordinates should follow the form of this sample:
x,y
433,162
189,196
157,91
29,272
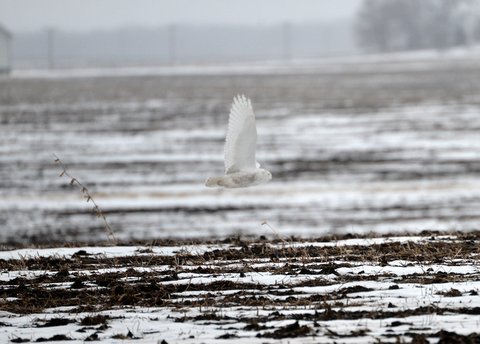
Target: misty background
x,y
382,135
62,34
181,43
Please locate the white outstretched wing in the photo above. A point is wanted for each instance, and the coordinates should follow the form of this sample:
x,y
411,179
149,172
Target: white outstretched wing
x,y
241,137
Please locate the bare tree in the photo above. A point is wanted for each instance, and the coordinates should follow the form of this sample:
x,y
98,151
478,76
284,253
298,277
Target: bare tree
x,y
392,25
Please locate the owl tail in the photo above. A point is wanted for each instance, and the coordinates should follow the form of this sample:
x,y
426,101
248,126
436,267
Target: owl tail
x,y
213,182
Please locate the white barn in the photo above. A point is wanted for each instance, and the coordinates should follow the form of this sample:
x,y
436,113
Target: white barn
x,y
5,53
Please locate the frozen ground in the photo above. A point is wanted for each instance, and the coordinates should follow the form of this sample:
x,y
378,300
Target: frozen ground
x,y
400,61
357,146
418,289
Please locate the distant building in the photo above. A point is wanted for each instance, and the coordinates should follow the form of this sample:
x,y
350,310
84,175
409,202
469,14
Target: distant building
x,y
5,53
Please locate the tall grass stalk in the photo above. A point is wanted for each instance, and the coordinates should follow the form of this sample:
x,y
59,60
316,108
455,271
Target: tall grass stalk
x,y
89,198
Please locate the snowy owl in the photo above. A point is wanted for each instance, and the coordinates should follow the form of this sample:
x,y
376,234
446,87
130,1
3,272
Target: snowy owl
x,y
241,168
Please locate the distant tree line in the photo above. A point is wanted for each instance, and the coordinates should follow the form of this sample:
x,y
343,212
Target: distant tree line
x,y
394,25
181,44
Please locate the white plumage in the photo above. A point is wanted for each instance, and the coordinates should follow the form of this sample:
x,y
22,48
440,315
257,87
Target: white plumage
x,y
241,168
241,136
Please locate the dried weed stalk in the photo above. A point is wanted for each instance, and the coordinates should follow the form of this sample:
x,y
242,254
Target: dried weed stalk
x,y
89,198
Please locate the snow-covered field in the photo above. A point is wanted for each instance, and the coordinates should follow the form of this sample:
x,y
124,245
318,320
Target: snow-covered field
x,y
362,145
355,146
364,290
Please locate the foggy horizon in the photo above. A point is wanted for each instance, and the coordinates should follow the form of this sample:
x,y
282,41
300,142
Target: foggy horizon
x,y
193,44
26,16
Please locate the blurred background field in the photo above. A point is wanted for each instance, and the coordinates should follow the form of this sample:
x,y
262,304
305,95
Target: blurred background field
x,y
360,136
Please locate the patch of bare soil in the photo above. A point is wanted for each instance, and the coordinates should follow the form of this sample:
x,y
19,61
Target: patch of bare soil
x,y
302,287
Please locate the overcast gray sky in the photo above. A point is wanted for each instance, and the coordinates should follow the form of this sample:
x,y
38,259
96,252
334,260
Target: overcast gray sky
x,y
84,15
